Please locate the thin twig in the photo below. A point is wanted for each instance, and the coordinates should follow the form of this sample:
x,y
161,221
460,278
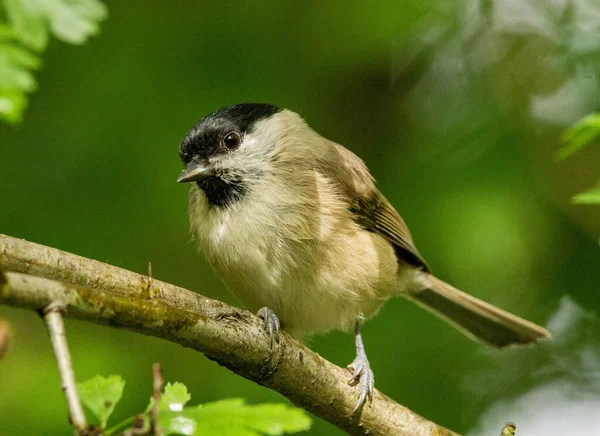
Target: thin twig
x,y
149,277
235,338
56,330
4,337
137,428
158,382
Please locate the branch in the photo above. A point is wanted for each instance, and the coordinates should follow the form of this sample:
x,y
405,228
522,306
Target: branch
x,y
4,337
58,338
105,294
157,387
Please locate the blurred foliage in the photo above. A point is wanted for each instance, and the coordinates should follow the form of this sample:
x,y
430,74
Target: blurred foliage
x,y
457,107
225,417
580,134
591,196
534,386
25,26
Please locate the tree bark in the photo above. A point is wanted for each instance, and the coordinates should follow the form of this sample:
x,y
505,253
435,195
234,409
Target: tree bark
x,y
36,276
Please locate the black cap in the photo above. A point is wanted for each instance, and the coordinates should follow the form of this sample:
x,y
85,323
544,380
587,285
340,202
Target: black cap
x,y
204,138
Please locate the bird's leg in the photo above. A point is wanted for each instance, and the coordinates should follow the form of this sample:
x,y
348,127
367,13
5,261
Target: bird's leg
x,y
362,374
272,325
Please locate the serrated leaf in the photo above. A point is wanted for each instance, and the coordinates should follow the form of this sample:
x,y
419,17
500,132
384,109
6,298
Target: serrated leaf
x,y
232,417
175,396
28,23
591,196
579,134
101,394
74,21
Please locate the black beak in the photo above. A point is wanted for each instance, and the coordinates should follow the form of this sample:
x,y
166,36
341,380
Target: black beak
x,y
195,171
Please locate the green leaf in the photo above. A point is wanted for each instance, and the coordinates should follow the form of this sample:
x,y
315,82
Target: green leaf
x,y
12,105
6,33
591,196
74,21
27,20
19,56
101,394
14,77
232,417
579,134
174,398
179,424
27,27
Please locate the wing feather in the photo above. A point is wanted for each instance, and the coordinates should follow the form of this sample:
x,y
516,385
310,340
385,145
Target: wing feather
x,y
370,209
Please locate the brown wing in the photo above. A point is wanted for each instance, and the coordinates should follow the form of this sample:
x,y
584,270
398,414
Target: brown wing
x,y
377,215
369,207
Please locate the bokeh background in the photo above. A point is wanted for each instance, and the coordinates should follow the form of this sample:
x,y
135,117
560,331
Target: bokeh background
x,y
456,106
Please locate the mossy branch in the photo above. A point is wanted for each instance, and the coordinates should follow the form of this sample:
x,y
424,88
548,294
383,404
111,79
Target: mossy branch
x,y
36,276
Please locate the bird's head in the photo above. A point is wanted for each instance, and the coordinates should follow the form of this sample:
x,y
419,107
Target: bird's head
x,y
226,152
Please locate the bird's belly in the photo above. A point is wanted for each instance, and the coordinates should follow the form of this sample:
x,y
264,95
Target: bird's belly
x,y
311,287
304,305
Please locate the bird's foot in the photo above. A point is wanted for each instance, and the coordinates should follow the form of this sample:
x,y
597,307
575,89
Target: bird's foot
x,y
272,325
364,377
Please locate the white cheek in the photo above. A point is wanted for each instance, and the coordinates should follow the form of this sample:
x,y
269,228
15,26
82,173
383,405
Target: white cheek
x,y
248,160
249,141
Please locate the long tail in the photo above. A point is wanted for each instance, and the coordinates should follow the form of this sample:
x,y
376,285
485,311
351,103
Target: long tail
x,y
478,318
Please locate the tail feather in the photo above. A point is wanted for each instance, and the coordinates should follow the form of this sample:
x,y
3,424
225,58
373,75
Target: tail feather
x,y
476,317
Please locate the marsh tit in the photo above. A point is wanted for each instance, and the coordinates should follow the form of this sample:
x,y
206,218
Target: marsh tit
x,y
296,228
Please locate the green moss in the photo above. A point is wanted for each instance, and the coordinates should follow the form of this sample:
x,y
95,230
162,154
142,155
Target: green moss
x,y
133,312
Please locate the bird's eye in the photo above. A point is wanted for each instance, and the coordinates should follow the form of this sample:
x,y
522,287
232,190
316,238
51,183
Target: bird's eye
x,y
232,140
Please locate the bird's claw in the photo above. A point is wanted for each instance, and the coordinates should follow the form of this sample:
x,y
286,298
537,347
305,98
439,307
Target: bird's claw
x,y
272,325
364,377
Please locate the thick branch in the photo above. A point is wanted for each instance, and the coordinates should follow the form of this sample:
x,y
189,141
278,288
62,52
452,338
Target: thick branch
x,y
235,338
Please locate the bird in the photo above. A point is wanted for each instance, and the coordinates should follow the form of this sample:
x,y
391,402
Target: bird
x,y
296,228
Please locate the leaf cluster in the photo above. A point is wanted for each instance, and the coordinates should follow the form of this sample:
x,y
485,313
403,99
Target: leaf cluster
x,y
25,29
225,417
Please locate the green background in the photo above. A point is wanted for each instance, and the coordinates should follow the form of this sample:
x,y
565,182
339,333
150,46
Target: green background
x,y
456,109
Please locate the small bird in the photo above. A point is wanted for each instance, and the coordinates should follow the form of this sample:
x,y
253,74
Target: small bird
x,y
296,228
